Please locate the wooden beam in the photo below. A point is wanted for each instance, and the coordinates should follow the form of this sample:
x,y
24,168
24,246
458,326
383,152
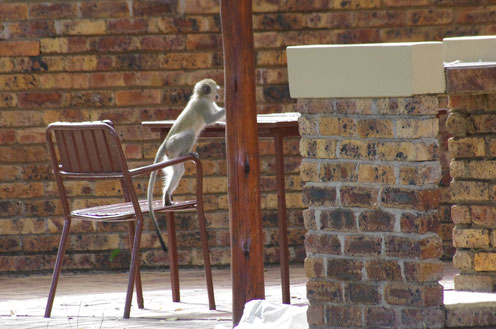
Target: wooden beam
x,y
243,163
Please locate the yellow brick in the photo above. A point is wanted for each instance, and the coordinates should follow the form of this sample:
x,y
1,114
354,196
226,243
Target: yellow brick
x,y
51,116
51,45
485,261
47,81
9,172
492,147
470,238
265,6
108,188
407,151
92,242
356,4
309,171
199,6
356,149
79,188
294,200
6,64
318,148
375,128
314,267
472,282
83,27
150,79
460,214
337,127
469,191
81,63
473,169
463,260
271,57
222,202
161,25
269,201
293,182
466,147
55,63
186,186
326,148
420,175
376,174
411,128
365,106
18,82
21,190
329,126
307,126
215,184
22,226
390,106
338,172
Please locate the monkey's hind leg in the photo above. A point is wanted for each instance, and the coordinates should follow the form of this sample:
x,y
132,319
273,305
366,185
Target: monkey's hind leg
x,y
168,172
172,179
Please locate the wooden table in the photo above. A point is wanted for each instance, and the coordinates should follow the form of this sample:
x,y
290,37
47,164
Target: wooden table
x,y
276,126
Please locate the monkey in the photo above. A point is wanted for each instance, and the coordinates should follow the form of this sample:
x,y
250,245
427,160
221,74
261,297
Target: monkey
x,y
200,111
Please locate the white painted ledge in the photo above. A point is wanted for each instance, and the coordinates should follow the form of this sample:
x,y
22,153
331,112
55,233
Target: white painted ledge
x,y
366,70
470,49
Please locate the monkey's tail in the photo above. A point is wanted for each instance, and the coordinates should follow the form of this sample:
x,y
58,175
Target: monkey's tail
x,y
151,185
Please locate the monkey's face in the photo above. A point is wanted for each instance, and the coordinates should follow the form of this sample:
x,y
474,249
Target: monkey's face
x,y
208,88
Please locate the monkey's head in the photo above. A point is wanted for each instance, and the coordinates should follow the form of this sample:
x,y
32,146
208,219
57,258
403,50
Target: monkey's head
x,y
207,88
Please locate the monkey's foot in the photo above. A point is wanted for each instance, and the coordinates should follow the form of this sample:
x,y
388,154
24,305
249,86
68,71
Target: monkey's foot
x,y
167,200
170,203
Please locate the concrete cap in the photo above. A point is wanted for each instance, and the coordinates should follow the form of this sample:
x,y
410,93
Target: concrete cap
x,y
366,70
470,49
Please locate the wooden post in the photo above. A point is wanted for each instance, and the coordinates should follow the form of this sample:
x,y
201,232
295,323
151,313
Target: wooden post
x,y
243,163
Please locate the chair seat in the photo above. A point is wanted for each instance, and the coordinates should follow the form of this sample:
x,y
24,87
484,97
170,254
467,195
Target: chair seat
x,y
125,211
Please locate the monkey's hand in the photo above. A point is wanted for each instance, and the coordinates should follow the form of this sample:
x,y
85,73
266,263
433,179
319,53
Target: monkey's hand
x,y
195,154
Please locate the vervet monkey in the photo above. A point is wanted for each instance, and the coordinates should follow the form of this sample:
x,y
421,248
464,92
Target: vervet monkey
x,y
200,111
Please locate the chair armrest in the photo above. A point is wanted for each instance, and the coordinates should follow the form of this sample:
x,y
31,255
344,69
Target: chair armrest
x,y
159,165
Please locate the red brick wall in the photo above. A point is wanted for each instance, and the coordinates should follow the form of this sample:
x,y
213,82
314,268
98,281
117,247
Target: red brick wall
x,y
137,60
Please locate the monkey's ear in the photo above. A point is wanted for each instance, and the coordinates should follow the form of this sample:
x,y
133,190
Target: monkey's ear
x,y
206,89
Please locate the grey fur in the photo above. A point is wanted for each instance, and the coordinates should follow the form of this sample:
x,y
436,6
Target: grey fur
x,y
200,111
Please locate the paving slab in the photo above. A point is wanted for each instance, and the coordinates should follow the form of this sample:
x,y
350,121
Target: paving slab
x,y
87,301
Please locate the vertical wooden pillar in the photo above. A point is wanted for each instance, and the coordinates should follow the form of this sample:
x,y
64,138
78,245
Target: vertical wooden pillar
x,y
245,216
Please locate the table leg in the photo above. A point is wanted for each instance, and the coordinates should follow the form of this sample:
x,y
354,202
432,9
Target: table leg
x,y
282,220
172,245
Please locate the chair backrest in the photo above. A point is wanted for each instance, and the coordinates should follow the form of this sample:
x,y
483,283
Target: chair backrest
x,y
86,149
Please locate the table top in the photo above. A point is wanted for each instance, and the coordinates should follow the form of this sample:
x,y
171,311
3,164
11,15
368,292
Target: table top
x,y
268,125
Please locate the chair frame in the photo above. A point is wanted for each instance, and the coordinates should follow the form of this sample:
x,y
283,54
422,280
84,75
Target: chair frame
x,y
74,146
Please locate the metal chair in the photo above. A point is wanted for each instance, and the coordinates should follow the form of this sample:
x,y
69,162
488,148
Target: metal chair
x,y
92,151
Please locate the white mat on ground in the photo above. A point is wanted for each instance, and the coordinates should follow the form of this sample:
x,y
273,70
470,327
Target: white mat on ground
x,y
261,314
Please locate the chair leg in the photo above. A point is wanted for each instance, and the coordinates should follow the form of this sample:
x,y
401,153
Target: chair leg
x,y
134,267
206,260
139,289
174,272
58,267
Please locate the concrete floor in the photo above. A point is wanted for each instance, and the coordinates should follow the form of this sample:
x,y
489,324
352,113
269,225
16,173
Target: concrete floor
x,y
87,301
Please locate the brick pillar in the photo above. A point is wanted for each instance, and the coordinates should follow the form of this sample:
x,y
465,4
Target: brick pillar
x,y
371,167
472,123
446,225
